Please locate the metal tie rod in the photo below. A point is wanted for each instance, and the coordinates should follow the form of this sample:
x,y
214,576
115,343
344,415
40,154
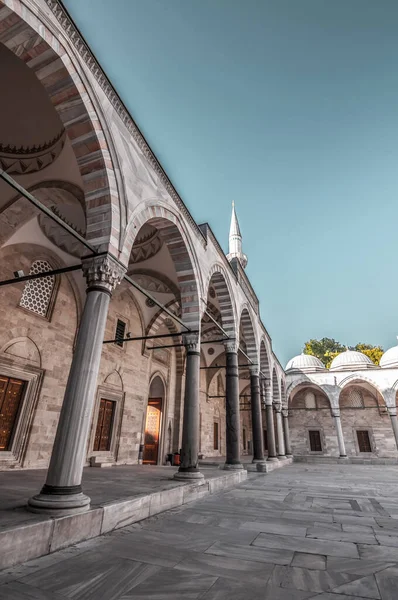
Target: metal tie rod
x,y
44,209
217,324
145,337
39,275
15,185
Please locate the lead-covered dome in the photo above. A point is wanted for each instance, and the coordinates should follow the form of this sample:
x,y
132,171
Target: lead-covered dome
x,y
389,360
351,360
305,362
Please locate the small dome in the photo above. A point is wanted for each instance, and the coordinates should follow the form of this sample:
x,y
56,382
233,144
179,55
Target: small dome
x,y
351,360
305,362
389,359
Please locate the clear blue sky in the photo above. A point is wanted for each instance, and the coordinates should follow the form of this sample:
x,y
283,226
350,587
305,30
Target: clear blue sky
x,y
289,107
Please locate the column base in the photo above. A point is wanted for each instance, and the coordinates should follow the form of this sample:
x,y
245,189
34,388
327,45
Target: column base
x,y
289,455
258,460
282,457
188,475
272,459
234,467
343,457
59,505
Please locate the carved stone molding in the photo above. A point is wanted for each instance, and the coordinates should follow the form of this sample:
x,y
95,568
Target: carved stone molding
x,y
191,342
154,282
231,346
22,160
102,80
103,271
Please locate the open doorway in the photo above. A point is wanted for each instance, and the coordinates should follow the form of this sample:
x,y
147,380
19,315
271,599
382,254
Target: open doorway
x,y
153,422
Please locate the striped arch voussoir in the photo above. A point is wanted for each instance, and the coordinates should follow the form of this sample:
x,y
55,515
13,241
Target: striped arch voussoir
x,y
218,279
246,326
27,37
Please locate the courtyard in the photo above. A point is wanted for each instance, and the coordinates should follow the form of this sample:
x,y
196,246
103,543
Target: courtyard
x,y
306,531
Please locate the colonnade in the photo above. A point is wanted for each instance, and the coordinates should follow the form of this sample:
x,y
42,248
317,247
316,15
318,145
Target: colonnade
x,y
62,493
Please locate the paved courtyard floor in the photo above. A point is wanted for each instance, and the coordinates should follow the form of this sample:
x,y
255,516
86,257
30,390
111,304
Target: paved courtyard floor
x,y
306,531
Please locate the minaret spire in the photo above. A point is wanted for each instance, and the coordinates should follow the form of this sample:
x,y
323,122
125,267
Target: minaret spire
x,y
235,240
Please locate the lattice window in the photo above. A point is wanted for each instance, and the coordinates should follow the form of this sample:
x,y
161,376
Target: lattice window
x,y
37,293
355,398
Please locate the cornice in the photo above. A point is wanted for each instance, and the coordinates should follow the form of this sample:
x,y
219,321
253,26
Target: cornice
x,y
76,39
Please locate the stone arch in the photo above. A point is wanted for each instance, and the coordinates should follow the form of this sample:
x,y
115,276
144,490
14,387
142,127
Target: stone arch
x,y
361,381
157,375
301,384
246,327
264,360
283,393
218,278
276,394
22,349
174,235
114,379
161,320
31,41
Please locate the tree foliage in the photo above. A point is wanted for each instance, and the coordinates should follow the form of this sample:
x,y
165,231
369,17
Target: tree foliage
x,y
327,349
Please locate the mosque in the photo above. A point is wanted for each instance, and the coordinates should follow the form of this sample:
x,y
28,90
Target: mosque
x,y
127,336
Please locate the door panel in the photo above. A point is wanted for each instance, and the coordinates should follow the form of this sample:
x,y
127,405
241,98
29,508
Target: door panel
x,y
103,432
11,392
152,431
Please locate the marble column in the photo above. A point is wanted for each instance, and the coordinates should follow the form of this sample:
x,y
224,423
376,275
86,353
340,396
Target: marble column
x,y
62,493
279,431
270,424
394,422
232,407
257,424
339,431
189,465
285,416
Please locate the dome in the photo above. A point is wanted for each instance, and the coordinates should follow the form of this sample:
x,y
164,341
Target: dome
x,y
305,362
389,359
351,360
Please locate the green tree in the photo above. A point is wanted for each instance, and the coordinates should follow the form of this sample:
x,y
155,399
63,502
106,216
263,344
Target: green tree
x,y
327,349
374,352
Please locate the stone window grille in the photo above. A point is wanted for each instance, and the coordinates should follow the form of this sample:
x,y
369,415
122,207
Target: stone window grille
x,y
355,398
37,293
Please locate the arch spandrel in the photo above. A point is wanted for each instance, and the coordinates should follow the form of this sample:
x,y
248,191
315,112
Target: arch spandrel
x,y
31,41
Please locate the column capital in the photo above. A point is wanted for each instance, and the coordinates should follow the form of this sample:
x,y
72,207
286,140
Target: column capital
x,y
335,412
268,394
191,342
392,411
231,345
254,370
278,407
285,413
103,271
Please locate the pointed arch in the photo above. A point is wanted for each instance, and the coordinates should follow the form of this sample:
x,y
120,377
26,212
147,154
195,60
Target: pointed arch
x,y
176,238
22,32
246,329
276,395
219,279
264,359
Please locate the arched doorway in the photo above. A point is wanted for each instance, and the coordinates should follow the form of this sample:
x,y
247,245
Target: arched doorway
x,y
153,422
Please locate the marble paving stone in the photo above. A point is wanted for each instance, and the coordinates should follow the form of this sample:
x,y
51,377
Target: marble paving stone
x,y
20,591
350,528
355,565
225,566
227,589
333,596
267,555
75,528
387,553
365,587
331,526
123,513
93,578
387,540
309,561
320,533
274,527
309,580
387,582
312,546
171,585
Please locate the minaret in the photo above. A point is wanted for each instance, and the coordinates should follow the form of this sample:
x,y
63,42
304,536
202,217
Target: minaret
x,y
235,240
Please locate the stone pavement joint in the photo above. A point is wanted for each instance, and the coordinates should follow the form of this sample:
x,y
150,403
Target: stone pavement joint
x,y
237,545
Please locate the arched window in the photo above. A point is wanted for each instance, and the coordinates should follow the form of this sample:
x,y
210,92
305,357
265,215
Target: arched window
x,y
355,398
310,400
37,293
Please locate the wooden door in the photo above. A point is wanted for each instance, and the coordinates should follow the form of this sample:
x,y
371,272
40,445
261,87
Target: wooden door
x,y
11,391
103,433
152,431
